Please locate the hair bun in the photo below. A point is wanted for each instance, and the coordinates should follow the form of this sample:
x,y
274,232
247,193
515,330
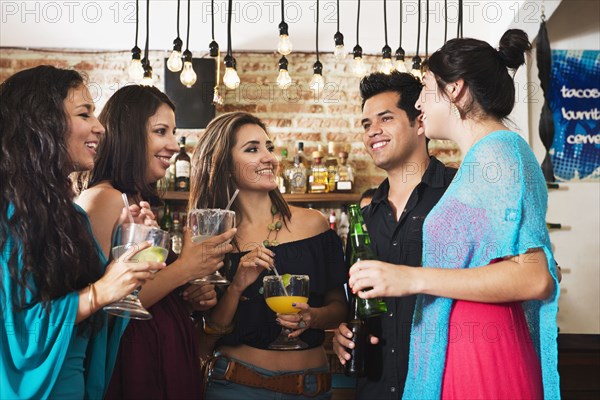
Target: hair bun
x,y
513,46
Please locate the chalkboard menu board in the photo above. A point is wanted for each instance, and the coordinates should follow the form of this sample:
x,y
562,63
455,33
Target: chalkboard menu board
x,y
194,108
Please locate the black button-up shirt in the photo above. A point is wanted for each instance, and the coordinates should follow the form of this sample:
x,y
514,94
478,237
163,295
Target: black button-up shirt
x,y
397,242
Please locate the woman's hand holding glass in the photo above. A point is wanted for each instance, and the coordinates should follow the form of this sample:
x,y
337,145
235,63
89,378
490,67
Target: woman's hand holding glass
x,y
298,323
201,297
205,258
122,276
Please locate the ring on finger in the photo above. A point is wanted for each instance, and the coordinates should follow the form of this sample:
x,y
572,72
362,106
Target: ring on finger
x,y
301,324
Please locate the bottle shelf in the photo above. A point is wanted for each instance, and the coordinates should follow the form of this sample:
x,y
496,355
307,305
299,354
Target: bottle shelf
x,y
171,195
322,198
304,198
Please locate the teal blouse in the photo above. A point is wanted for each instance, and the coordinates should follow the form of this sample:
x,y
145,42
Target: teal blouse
x,y
41,354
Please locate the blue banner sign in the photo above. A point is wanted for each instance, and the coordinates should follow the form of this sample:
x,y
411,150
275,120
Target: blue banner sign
x,y
575,105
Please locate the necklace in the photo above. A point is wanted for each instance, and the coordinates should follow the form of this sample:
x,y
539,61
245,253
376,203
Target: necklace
x,y
274,226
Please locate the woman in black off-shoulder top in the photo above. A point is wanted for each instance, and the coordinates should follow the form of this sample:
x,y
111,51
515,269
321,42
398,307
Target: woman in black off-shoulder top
x,y
235,152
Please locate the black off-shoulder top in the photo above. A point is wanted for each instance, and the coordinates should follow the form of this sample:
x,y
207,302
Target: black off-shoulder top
x,y
321,257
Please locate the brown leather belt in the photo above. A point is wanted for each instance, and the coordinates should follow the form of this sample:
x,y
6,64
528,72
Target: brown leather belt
x,y
289,383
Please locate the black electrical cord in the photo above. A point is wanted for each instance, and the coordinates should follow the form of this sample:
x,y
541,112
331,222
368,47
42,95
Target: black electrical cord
x,y
229,51
445,21
187,41
385,21
317,35
338,15
178,11
418,27
427,29
401,22
357,22
212,18
147,31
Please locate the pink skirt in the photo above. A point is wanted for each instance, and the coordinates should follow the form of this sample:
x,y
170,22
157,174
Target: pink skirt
x,y
490,354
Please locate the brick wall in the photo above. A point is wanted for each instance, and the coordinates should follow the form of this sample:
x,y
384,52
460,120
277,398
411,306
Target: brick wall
x,y
292,115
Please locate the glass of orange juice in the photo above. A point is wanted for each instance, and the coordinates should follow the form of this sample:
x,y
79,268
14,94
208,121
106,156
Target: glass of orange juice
x,y
280,293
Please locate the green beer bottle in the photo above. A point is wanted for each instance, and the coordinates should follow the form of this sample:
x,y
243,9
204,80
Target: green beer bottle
x,y
360,250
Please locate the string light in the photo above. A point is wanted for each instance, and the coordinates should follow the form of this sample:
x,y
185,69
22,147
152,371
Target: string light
x,y
416,60
148,78
136,70
188,76
214,51
284,47
174,63
358,66
340,51
283,79
416,67
400,53
213,46
386,56
317,83
231,78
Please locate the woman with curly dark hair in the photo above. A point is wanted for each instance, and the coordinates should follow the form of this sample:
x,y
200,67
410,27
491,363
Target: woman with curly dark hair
x,y
55,343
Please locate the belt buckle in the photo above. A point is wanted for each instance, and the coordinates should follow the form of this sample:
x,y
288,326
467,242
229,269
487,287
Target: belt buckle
x,y
317,388
211,371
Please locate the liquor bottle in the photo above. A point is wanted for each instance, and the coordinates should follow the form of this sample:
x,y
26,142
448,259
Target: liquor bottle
x,y
170,174
318,181
297,176
302,156
332,220
344,177
182,168
281,178
176,237
355,367
166,222
331,162
360,250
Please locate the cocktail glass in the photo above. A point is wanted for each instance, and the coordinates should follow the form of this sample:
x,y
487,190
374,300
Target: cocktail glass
x,y
280,293
205,224
125,237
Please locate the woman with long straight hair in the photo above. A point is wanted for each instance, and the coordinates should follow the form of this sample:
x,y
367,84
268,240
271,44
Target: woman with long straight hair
x,y
235,152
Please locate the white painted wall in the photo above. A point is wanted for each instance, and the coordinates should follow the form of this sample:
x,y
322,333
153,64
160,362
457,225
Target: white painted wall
x,y
574,25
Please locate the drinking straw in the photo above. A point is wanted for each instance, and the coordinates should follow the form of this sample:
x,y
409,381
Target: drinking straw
x,y
124,196
226,209
274,269
232,199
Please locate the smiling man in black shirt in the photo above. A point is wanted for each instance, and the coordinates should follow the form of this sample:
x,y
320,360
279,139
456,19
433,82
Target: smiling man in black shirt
x,y
394,138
